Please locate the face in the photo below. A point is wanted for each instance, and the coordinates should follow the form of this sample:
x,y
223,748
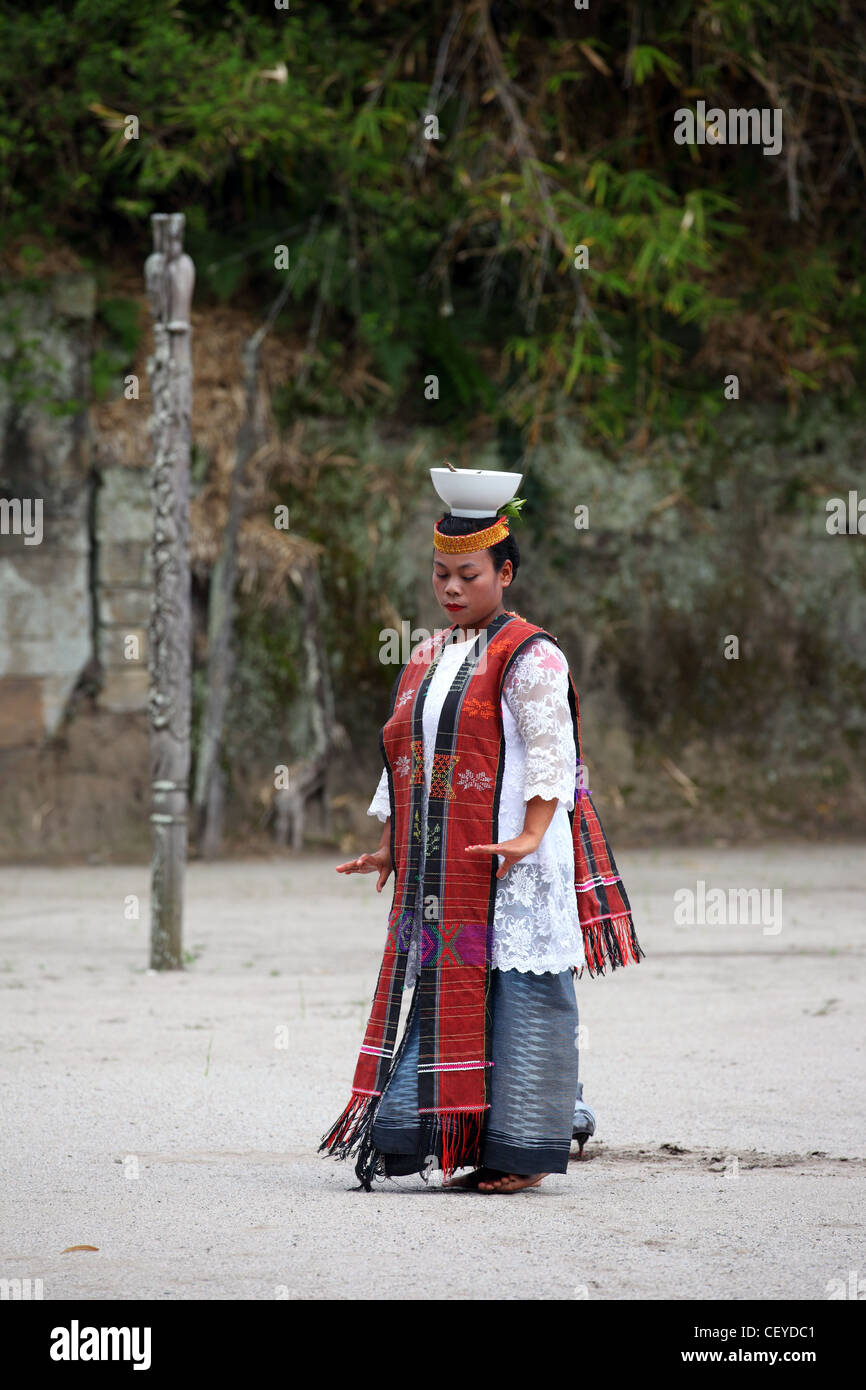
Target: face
x,y
469,588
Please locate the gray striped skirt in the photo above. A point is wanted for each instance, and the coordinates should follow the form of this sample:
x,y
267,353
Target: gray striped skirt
x,y
532,1087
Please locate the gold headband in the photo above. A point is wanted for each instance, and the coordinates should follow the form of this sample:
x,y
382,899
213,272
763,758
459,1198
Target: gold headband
x,y
477,540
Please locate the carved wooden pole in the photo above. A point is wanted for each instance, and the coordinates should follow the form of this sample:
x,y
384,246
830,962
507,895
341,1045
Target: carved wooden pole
x,y
170,276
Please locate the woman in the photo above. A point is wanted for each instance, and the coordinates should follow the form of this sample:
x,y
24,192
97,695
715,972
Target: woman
x,y
501,882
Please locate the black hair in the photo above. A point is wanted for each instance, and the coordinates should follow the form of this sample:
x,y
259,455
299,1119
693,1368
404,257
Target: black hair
x,y
500,552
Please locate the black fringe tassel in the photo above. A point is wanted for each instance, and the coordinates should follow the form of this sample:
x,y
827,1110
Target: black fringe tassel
x,y
610,941
349,1131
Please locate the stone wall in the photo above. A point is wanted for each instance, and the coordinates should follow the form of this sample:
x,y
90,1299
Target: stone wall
x,y
74,594
46,619
122,539
729,537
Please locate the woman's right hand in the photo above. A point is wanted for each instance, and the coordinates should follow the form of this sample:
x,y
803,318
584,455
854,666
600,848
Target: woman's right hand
x,y
379,861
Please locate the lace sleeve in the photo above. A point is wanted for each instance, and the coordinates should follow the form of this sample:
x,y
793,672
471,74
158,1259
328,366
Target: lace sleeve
x,y
536,693
381,804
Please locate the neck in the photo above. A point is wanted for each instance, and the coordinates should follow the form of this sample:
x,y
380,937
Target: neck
x,y
481,622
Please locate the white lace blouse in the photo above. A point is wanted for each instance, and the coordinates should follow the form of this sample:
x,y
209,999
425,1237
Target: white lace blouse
x,y
536,927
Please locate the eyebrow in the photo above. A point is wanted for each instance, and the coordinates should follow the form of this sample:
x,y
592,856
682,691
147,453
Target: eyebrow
x,y
461,566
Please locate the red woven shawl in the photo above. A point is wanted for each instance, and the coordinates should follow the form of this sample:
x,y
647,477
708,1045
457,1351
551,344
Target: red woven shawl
x,y
458,894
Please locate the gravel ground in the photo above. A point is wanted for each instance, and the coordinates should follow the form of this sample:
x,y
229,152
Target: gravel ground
x,y
172,1120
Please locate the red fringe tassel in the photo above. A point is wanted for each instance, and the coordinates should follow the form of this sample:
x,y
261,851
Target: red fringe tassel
x,y
461,1139
598,948
624,932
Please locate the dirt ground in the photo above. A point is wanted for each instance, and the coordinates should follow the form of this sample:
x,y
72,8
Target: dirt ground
x,y
172,1120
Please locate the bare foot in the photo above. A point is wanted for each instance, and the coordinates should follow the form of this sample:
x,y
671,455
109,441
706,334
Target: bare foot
x,y
511,1182
469,1181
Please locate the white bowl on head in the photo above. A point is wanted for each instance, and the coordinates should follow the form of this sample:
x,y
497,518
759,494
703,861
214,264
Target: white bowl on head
x,y
475,491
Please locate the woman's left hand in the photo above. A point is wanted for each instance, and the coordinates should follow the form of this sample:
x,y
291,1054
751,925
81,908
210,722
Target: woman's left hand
x,y
513,850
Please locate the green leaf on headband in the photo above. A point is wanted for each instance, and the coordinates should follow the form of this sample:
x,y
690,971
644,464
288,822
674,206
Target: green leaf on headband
x,y
513,508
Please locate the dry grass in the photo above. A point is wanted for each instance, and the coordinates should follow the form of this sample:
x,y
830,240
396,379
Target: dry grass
x,y
266,557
